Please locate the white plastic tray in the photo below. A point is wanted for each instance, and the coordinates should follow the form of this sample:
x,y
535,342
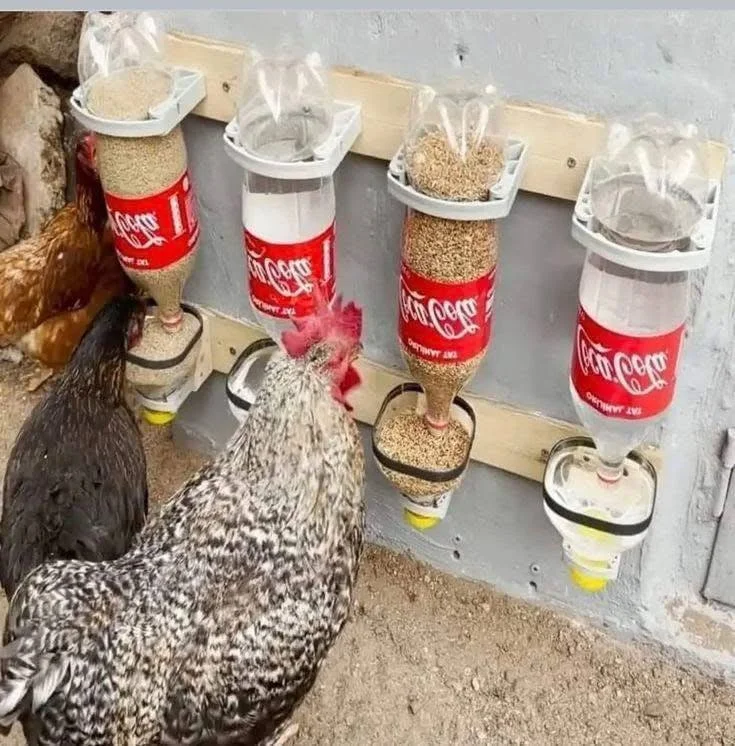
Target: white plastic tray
x,y
347,127
696,256
502,195
189,90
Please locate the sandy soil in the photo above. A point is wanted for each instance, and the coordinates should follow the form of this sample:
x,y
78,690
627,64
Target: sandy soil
x,y
428,659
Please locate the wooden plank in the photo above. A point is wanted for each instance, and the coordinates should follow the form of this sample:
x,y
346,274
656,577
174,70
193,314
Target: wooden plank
x,y
560,142
508,438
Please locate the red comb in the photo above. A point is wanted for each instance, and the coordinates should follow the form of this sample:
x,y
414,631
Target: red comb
x,y
341,324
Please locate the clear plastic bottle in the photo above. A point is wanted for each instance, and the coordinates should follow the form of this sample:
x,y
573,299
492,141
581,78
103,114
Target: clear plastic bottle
x,y
289,246
647,194
633,304
286,114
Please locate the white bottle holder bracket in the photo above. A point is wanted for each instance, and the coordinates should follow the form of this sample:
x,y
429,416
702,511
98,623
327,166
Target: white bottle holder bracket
x,y
585,230
436,509
502,194
189,89
346,129
172,401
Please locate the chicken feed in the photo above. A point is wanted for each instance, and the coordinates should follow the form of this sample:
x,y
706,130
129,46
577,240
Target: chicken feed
x,y
436,167
448,251
160,346
406,438
142,166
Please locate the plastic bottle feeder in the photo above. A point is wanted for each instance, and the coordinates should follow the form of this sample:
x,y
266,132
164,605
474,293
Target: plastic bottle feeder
x,y
135,104
161,380
289,154
605,526
457,176
427,481
246,375
646,214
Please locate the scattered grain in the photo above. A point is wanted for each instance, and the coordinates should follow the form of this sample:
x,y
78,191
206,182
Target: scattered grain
x,y
407,439
436,168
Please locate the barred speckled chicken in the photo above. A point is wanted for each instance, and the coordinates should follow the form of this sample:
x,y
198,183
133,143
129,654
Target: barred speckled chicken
x,y
213,627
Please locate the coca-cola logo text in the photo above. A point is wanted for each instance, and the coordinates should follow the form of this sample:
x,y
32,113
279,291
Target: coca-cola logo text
x,y
637,374
140,230
289,277
452,319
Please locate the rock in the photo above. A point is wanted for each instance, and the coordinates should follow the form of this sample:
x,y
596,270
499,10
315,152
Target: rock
x,y
12,211
30,131
654,710
7,20
476,683
47,41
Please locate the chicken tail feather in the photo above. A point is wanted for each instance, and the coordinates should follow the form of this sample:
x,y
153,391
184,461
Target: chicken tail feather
x,y
29,677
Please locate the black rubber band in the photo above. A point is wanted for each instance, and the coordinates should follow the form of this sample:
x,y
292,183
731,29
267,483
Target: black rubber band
x,y
615,529
251,349
414,471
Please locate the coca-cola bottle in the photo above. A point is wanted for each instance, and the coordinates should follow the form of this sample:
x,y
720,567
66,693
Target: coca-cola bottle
x,y
285,116
647,195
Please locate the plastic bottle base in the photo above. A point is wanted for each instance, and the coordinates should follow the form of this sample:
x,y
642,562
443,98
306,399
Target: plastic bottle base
x,y
588,583
420,522
153,417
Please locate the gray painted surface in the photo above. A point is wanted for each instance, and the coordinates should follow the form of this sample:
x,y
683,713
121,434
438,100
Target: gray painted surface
x,y
680,62
720,584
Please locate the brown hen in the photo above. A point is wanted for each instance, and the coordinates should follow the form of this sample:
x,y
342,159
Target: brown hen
x,y
62,269
53,342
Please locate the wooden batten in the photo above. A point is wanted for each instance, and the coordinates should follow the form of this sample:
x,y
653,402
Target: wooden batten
x,y
560,142
509,438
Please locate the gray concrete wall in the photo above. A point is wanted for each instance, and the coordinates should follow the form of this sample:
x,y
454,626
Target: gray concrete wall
x,y
679,62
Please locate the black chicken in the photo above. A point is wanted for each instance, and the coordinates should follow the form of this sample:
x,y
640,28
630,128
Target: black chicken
x,y
75,485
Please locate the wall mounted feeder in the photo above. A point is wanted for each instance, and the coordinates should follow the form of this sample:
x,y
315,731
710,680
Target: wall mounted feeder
x,y
428,480
289,136
135,104
646,214
457,175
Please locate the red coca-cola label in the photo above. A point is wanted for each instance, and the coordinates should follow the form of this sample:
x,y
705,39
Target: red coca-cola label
x,y
625,377
282,277
445,322
155,231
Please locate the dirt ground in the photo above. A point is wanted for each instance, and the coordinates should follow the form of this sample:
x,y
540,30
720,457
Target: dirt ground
x,y
428,659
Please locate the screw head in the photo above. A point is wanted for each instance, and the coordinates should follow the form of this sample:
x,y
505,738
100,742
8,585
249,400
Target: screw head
x,y
571,162
226,87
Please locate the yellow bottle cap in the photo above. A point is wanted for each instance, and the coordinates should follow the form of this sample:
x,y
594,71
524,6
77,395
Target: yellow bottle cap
x,y
420,522
152,417
588,583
